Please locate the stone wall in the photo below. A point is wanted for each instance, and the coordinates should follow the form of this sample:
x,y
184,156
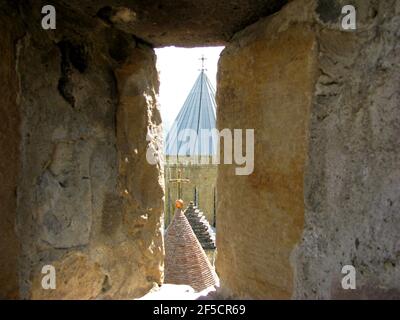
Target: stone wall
x,y
142,183
265,82
9,158
352,184
325,190
178,22
88,201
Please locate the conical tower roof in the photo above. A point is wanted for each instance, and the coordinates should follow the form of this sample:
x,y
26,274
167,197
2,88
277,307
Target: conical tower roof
x,y
185,259
198,115
201,227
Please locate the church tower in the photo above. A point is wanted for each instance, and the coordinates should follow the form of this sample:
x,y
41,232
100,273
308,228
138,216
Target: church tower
x,y
191,145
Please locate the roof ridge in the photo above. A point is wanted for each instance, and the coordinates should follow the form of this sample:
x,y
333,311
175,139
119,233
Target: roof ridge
x,y
201,227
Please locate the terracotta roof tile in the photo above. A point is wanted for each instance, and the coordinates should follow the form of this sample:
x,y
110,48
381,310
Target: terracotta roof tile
x,y
185,259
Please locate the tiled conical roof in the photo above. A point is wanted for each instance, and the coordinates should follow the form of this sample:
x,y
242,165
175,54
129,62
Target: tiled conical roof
x,y
196,114
200,226
185,259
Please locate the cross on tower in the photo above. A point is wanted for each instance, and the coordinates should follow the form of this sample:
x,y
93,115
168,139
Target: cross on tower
x,y
179,180
203,59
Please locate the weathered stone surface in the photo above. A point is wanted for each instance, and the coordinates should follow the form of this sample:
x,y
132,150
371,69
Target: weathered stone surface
x,y
178,22
266,87
347,157
352,184
74,273
9,157
81,120
64,196
139,133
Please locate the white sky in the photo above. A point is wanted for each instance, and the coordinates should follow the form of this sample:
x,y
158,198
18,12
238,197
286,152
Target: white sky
x,y
179,69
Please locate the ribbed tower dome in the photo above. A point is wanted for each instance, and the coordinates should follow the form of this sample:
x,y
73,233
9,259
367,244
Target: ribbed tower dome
x,y
198,115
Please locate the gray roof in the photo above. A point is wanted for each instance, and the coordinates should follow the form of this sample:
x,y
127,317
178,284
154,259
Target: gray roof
x,y
196,114
201,227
